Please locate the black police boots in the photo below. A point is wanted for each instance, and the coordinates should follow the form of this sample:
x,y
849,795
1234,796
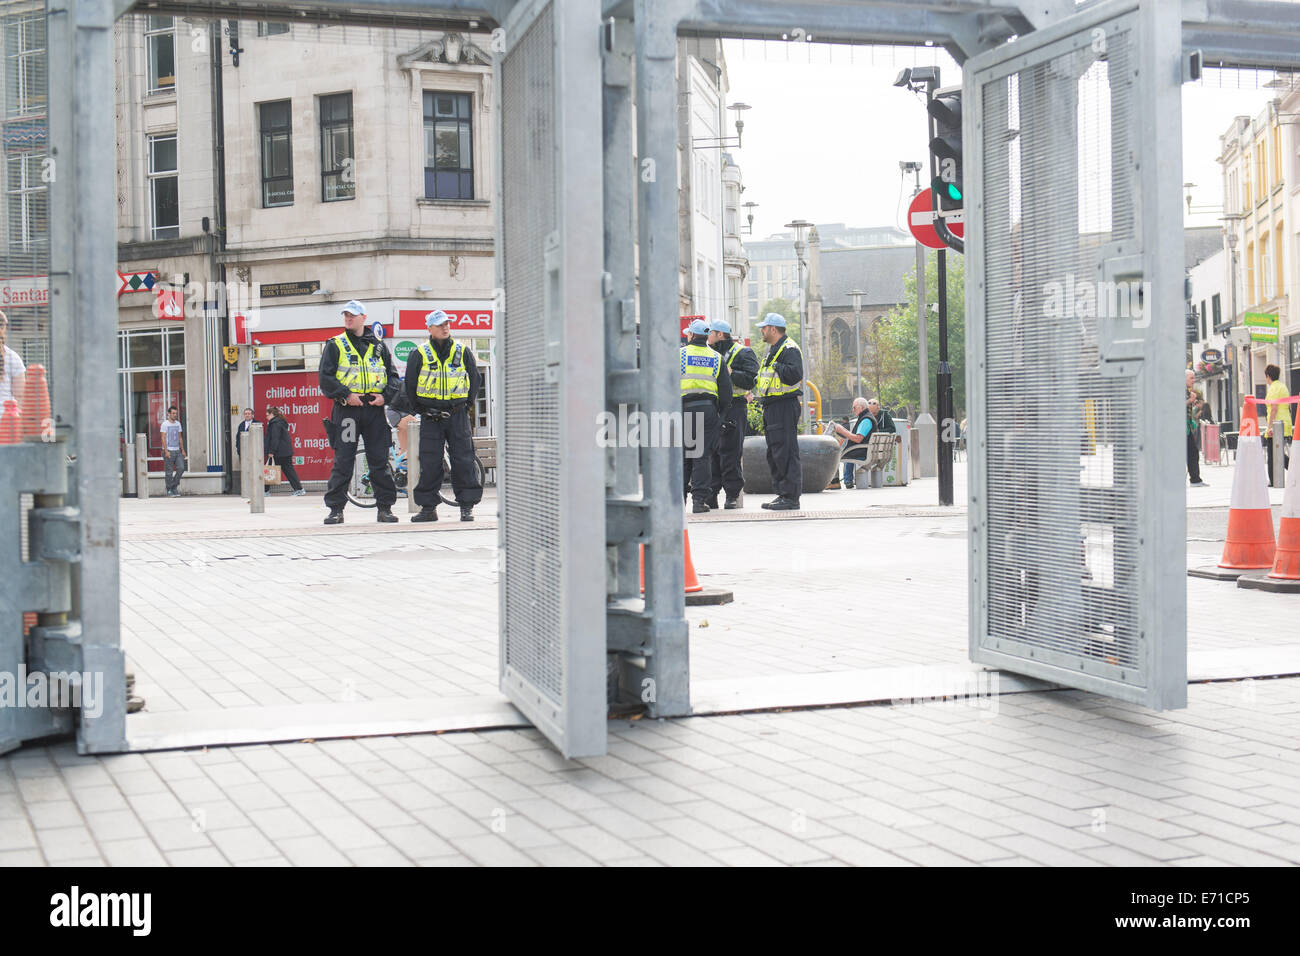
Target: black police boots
x,y
782,503
466,512
335,517
732,503
701,507
385,515
426,514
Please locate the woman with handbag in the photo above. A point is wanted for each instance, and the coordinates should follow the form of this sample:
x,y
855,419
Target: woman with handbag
x,y
279,447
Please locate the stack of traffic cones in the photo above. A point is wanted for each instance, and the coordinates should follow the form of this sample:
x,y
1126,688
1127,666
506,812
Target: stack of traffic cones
x,y
1250,543
37,423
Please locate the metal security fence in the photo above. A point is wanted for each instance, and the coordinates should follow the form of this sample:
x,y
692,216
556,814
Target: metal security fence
x,y
531,471
553,564
1067,346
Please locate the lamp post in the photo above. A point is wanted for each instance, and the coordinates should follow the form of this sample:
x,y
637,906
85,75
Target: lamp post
x,y
800,226
856,296
749,207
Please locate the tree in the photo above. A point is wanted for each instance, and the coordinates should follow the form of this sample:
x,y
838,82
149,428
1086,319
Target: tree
x,y
881,359
900,331
783,307
837,376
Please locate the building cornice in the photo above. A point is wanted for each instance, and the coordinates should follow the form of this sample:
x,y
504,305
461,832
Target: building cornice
x,y
152,250
356,247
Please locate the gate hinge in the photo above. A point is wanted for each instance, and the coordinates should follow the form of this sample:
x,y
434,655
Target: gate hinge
x,y
55,534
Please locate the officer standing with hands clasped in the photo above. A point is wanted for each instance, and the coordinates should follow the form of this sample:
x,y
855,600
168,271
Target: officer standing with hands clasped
x,y
742,366
706,387
778,389
442,384
357,372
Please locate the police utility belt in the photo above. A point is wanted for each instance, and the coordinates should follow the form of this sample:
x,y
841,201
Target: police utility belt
x,y
441,414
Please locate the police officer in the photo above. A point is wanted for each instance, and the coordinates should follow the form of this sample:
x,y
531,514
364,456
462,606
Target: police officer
x,y
357,372
742,366
778,388
442,384
706,387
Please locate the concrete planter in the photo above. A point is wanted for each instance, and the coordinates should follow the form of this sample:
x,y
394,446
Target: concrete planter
x,y
819,456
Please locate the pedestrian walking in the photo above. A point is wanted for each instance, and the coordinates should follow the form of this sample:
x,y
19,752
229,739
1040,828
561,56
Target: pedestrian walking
x,y
742,367
442,385
173,452
706,387
12,371
279,448
1191,423
778,389
356,371
1277,390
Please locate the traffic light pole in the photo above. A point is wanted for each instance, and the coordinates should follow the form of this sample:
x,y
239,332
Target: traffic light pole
x,y
943,382
944,386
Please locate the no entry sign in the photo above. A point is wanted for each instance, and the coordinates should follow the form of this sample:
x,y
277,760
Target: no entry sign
x,y
920,219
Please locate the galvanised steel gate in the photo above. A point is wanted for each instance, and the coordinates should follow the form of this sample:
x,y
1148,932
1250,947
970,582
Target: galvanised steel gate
x,y
1074,334
552,477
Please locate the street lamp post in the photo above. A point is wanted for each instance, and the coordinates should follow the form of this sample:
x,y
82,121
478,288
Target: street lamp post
x,y
800,226
856,296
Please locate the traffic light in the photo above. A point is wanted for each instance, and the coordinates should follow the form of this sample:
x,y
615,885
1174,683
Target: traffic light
x,y
945,147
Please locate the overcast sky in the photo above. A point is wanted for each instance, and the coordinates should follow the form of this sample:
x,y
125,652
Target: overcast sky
x,y
827,130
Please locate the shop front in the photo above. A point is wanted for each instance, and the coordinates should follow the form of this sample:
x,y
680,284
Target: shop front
x,y
279,363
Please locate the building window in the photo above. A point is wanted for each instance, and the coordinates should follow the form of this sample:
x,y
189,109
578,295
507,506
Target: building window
x,y
753,309
1279,278
160,38
1265,270
1217,306
1277,155
1250,273
336,160
164,196
448,146
271,29
151,372
27,200
277,155
25,66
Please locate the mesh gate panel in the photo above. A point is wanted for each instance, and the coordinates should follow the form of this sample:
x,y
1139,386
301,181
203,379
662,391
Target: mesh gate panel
x,y
530,491
1063,583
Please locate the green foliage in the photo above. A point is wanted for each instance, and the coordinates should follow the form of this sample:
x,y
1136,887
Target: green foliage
x,y
754,415
783,307
899,334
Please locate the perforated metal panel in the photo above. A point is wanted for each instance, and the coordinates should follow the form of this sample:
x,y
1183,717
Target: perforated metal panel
x,y
531,472
1065,356
552,382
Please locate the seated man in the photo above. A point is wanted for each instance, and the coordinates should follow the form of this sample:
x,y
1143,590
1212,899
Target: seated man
x,y
856,436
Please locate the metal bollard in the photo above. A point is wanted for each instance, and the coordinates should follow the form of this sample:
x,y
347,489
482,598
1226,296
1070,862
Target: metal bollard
x,y
1279,459
142,466
128,468
412,462
256,489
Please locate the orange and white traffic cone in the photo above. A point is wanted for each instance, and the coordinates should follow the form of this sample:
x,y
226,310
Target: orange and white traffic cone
x,y
11,425
1250,542
37,423
692,579
1286,564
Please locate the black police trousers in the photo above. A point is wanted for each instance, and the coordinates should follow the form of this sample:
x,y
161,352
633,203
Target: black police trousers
x,y
456,435
780,421
727,456
370,425
700,437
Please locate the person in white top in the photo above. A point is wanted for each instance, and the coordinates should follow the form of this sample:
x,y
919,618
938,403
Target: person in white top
x,y
12,370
